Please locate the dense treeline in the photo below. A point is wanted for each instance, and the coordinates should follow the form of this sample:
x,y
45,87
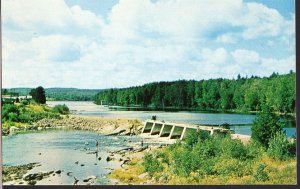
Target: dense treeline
x,y
71,94
57,94
241,94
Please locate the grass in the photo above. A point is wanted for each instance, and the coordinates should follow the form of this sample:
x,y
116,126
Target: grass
x,y
130,175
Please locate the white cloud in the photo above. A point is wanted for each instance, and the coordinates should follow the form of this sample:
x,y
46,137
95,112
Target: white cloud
x,y
246,57
48,43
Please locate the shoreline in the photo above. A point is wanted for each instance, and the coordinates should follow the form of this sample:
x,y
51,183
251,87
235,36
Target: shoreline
x,y
101,125
109,126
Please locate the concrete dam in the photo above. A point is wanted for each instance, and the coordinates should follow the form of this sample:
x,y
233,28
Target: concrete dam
x,y
177,131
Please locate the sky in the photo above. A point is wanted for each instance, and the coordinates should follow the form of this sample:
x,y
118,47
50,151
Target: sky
x,y
101,44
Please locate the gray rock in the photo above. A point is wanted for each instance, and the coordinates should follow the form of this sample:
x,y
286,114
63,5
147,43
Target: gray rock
x,y
58,171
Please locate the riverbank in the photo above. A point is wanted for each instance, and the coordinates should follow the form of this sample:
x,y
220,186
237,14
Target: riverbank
x,y
101,125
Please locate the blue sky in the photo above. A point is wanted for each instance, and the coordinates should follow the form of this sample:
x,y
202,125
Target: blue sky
x,y
112,43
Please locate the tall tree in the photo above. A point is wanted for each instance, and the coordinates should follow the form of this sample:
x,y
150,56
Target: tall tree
x,y
38,95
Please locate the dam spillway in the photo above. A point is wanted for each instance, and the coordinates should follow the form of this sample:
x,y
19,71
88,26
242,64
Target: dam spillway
x,y
178,131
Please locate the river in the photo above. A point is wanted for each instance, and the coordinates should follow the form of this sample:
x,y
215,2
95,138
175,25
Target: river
x,y
60,149
241,123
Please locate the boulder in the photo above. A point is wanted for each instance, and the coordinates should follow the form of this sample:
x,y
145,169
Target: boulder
x,y
13,128
34,176
58,171
109,158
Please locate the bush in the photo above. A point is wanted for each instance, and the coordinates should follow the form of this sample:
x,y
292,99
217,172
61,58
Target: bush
x,y
193,137
25,102
151,164
280,148
61,109
254,149
265,125
234,148
13,117
9,112
261,174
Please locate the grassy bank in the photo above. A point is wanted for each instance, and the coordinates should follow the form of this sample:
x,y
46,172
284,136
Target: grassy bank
x,y
26,113
214,160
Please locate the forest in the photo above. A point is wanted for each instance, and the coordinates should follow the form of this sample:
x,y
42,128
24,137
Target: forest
x,y
240,94
57,94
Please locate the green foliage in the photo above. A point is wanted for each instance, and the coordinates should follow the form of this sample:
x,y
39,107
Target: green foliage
x,y
151,164
12,113
25,102
38,95
261,174
215,94
193,137
234,149
9,112
265,125
280,148
254,149
59,94
61,109
71,94
216,156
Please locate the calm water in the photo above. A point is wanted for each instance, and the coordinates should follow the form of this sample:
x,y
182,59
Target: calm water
x,y
60,149
91,109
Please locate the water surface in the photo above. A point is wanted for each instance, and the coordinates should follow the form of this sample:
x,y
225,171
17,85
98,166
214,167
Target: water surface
x,y
59,149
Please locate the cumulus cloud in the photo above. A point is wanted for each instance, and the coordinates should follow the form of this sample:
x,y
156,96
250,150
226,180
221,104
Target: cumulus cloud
x,y
51,44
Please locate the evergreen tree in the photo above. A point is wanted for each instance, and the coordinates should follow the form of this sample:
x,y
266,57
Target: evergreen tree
x,y
265,126
38,95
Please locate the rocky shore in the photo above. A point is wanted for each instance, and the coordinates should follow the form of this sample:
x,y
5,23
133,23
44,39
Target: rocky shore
x,y
16,173
102,125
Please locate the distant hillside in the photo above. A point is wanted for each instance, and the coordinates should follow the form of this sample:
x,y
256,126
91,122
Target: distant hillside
x,y
61,94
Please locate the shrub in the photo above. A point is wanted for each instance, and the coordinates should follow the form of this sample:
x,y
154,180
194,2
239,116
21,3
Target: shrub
x,y
25,102
151,164
234,148
13,117
261,174
62,109
9,112
280,148
265,125
254,149
193,137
